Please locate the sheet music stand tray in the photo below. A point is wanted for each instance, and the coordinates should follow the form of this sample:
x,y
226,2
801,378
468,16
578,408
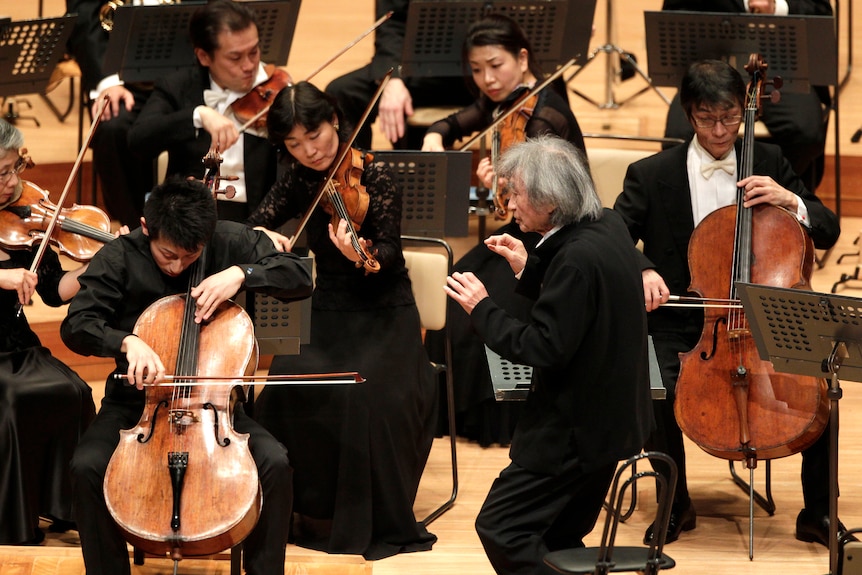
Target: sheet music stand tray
x,y
435,30
815,334
29,52
148,42
435,189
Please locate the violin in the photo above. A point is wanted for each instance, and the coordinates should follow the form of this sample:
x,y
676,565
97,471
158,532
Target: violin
x,y
511,130
81,232
248,108
729,401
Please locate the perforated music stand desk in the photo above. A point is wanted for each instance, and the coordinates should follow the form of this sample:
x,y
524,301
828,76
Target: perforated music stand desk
x,y
815,334
511,381
29,52
148,42
435,30
435,189
800,49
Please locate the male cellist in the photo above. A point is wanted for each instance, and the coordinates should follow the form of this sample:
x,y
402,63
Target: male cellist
x,y
664,197
124,278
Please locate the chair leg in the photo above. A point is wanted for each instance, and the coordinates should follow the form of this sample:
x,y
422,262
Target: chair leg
x,y
450,408
236,559
138,556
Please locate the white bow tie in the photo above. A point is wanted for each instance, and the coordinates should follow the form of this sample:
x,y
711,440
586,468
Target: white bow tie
x,y
707,168
216,99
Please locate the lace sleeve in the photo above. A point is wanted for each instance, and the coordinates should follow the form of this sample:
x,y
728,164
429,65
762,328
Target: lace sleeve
x,y
382,225
280,204
462,123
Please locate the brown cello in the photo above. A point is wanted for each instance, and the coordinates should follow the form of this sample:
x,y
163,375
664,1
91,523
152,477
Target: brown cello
x,y
730,402
182,482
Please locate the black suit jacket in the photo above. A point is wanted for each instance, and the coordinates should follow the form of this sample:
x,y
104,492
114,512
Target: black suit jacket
x,y
811,7
166,123
586,340
656,207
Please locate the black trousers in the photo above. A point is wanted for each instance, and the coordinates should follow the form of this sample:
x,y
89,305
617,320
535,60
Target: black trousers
x,y
103,546
126,177
797,123
355,89
527,514
668,437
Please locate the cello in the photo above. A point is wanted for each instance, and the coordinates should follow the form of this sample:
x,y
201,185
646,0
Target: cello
x,y
730,402
183,463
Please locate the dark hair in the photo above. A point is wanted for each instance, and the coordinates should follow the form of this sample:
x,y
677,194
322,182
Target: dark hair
x,y
181,212
302,104
209,21
711,83
498,30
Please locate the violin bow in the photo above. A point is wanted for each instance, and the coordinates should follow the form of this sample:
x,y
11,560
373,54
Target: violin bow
x,y
341,157
337,55
52,223
344,377
519,104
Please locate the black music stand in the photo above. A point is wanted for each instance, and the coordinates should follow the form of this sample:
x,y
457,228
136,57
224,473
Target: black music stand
x,y
435,191
29,52
435,30
815,334
148,42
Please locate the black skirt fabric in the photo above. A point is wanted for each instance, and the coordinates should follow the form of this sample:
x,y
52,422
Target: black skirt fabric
x,y
44,409
357,450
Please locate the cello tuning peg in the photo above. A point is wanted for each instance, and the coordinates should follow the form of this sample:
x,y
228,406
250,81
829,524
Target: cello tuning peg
x,y
229,192
775,96
777,82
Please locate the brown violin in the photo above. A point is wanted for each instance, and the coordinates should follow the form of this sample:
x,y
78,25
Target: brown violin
x,y
251,109
511,130
730,402
80,233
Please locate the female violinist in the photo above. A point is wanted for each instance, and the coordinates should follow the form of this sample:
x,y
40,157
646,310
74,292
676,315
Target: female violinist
x,y
664,197
358,451
124,278
46,406
501,67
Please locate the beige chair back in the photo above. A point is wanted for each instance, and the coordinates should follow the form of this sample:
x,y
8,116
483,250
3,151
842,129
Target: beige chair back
x,y
608,166
428,273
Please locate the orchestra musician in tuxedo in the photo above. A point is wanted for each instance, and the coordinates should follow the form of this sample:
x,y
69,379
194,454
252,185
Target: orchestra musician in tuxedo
x,y
798,122
664,197
189,111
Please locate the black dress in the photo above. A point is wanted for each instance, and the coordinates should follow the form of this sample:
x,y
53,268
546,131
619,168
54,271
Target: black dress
x,y
358,451
479,416
44,409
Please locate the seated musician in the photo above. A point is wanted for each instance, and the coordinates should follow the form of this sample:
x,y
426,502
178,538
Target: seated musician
x,y
124,278
503,67
45,406
796,123
664,197
191,111
358,451
586,408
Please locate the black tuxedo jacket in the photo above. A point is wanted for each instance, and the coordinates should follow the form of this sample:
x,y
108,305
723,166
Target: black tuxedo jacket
x,y
810,7
166,123
656,207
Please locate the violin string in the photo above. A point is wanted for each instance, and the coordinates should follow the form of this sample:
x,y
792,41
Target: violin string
x,y
338,206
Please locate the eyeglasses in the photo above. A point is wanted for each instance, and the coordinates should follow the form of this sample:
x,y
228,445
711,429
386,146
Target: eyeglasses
x,y
20,165
727,122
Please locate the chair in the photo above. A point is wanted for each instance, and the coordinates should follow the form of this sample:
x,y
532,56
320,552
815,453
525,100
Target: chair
x,y
428,271
608,167
607,558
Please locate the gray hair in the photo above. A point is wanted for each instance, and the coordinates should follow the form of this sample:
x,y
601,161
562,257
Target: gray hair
x,y
553,173
11,138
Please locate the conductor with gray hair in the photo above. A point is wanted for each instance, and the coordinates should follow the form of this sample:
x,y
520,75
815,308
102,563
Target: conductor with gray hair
x,y
586,339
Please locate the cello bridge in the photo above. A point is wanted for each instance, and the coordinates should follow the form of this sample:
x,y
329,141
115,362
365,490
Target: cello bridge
x,y
182,417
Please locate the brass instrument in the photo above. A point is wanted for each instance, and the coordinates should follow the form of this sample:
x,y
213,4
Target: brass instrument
x,y
106,13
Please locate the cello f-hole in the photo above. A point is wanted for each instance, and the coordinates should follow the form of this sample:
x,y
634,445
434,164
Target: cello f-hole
x,y
141,438
707,356
219,441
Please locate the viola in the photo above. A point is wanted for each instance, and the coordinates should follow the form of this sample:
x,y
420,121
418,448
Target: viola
x,y
730,402
80,233
251,109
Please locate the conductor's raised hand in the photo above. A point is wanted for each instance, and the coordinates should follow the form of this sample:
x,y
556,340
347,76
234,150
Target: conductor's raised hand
x,y
510,248
466,289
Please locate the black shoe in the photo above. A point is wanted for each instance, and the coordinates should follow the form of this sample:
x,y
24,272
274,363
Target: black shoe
x,y
813,528
685,520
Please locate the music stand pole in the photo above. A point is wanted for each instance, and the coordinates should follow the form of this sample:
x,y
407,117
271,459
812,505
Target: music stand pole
x,y
812,334
609,49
